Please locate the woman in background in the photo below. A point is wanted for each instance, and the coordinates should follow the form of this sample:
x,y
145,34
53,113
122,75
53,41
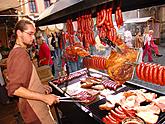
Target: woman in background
x,y
139,45
147,48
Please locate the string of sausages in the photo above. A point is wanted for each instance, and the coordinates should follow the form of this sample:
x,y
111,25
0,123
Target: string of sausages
x,y
85,30
95,62
105,23
150,72
70,31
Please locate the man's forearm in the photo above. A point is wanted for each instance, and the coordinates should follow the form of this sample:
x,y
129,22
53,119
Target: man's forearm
x,y
25,93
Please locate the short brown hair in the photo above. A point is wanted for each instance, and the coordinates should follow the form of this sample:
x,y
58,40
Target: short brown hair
x,y
21,25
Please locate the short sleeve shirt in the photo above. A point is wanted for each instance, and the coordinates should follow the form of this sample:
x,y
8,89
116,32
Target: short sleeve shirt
x,y
19,69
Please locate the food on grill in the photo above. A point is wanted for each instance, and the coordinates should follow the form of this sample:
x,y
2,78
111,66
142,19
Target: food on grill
x,y
106,106
86,96
70,77
117,115
152,108
96,76
133,103
98,87
148,117
91,82
110,84
160,102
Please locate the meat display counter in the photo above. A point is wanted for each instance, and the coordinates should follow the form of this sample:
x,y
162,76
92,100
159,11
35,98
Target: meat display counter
x,y
89,112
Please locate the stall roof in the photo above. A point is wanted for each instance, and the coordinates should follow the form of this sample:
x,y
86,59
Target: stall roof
x,y
56,7
59,12
137,20
8,4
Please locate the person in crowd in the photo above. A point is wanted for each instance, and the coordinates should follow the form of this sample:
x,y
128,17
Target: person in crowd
x,y
54,43
44,51
139,44
128,38
24,82
147,48
4,99
50,36
153,45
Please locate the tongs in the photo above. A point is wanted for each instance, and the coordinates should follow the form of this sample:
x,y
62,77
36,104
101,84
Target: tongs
x,y
70,99
111,44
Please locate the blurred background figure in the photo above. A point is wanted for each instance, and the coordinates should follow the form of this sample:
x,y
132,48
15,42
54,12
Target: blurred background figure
x,y
128,38
50,45
139,45
44,53
4,99
147,48
154,47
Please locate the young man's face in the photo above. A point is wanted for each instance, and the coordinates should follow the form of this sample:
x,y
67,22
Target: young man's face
x,y
27,35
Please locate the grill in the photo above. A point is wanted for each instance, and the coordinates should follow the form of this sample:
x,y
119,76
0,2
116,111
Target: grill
x,y
93,107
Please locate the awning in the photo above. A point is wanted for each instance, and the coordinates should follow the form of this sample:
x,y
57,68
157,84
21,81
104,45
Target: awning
x,y
137,20
63,9
7,4
58,6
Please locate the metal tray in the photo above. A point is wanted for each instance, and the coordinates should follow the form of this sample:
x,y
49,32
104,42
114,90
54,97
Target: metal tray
x,y
93,108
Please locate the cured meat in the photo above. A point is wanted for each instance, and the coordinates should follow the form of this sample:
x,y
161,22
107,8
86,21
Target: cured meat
x,y
118,70
86,96
110,84
106,106
160,102
70,77
151,73
148,117
152,108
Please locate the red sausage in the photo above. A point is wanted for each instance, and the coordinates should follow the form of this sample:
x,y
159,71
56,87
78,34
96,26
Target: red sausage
x,y
143,71
120,17
160,75
155,74
147,72
151,73
103,12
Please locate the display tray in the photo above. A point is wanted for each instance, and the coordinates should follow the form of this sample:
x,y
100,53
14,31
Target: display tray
x,y
94,106
99,114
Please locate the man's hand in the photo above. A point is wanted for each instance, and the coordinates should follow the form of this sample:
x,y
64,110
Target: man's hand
x,y
48,89
51,99
28,94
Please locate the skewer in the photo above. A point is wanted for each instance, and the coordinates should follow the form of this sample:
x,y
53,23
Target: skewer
x,y
132,63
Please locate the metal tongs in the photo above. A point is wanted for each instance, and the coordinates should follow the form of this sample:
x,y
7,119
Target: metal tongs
x,y
70,99
111,44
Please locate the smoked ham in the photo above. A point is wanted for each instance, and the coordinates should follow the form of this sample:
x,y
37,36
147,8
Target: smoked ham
x,y
116,65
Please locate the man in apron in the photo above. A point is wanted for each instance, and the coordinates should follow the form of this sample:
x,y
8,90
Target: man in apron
x,y
34,97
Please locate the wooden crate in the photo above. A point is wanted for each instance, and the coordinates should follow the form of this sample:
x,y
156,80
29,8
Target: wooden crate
x,y
45,74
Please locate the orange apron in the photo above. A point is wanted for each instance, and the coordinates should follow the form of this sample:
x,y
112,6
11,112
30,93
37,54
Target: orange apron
x,y
41,109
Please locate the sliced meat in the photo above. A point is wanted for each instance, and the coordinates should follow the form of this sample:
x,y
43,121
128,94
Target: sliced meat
x,y
160,102
107,106
152,108
148,117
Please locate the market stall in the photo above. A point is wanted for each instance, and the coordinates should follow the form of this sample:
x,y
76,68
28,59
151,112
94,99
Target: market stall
x,y
110,97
